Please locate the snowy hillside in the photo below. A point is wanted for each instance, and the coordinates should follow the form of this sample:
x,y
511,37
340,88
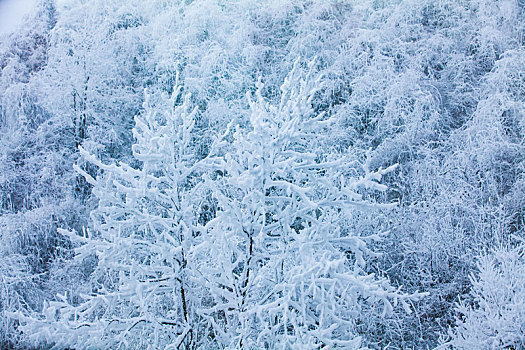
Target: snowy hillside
x,y
276,174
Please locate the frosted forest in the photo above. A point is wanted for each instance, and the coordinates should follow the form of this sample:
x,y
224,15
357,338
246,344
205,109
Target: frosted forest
x,y
263,174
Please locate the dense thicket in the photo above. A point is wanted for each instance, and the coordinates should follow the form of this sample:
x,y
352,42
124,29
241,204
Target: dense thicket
x,y
209,174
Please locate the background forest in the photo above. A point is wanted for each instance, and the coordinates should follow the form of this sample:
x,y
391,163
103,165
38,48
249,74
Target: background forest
x,y
270,174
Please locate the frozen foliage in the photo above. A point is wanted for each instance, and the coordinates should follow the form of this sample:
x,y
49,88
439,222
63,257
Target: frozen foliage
x,y
285,273
142,286
248,199
274,268
496,318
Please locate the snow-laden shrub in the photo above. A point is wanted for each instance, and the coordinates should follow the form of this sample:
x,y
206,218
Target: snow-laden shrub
x,y
493,316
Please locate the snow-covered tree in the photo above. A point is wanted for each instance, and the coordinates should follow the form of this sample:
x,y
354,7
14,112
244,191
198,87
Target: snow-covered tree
x,y
284,270
275,267
141,288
